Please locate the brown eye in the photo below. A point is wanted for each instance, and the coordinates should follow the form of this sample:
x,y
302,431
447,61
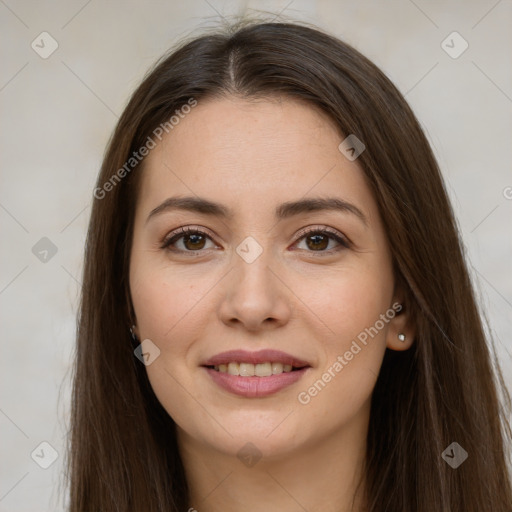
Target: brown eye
x,y
319,240
187,240
194,242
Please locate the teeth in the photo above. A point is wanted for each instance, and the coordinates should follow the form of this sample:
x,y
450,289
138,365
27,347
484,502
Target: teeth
x,y
263,369
277,368
246,370
233,369
251,370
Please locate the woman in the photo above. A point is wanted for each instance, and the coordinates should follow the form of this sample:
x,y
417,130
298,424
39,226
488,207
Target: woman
x,y
271,225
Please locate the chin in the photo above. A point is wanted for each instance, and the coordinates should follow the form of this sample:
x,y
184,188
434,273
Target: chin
x,y
257,442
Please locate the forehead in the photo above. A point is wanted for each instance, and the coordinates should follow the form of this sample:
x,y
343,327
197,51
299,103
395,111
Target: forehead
x,y
251,154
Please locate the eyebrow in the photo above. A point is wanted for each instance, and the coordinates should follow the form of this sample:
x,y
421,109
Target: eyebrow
x,y
283,211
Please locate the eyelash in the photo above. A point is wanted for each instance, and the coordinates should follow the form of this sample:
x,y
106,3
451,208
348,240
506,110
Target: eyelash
x,y
187,230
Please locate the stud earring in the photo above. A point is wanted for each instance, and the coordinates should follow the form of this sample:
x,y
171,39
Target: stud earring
x,y
134,336
401,336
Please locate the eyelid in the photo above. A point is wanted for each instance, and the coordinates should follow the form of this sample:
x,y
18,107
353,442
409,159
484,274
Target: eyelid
x,y
177,233
342,239
339,237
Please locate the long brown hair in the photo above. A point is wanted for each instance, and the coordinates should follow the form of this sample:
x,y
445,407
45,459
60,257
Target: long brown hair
x,y
123,454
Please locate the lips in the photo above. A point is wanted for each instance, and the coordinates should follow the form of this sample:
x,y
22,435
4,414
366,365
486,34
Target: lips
x,y
259,357
249,386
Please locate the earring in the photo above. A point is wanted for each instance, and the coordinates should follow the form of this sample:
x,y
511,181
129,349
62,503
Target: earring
x,y
401,336
134,336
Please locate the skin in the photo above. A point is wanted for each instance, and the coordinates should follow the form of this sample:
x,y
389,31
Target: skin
x,y
251,156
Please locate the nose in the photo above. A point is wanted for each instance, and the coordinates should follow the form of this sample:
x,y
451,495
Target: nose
x,y
255,297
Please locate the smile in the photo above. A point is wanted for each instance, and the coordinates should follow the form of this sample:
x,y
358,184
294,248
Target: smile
x,y
254,370
254,386
255,374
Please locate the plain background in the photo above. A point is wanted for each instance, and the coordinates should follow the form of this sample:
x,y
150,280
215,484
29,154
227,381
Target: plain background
x,y
57,115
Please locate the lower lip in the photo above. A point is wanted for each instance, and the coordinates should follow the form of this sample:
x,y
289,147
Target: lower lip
x,y
255,387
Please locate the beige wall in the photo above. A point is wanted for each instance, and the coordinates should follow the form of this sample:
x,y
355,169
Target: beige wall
x,y
58,112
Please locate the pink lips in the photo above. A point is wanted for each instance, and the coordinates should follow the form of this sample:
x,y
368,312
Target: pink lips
x,y
261,356
255,387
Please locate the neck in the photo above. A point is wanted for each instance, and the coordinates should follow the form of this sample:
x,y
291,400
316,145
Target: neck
x,y
321,477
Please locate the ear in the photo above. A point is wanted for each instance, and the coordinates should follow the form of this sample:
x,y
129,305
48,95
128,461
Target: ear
x,y
133,324
132,318
134,334
401,331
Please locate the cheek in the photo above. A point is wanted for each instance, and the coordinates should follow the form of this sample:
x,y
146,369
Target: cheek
x,y
165,301
170,311
347,301
351,306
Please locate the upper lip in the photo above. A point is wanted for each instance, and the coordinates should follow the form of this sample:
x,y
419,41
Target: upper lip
x,y
260,356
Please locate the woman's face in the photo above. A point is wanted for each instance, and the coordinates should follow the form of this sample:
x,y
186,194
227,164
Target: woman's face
x,y
262,274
